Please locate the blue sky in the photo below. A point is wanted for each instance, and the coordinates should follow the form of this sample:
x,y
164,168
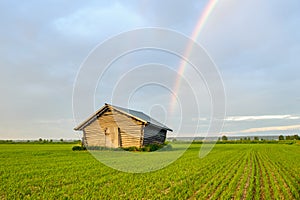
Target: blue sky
x,y
255,45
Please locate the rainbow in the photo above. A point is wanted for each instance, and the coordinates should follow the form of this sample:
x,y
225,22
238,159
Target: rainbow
x,y
195,34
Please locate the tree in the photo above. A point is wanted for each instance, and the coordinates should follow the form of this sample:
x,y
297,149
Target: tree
x,y
61,140
281,137
296,137
256,138
224,138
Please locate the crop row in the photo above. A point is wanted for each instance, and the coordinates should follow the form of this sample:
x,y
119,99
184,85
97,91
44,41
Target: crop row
x,y
239,171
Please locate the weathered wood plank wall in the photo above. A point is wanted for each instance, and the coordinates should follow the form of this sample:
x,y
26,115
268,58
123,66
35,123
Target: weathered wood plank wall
x,y
153,134
114,129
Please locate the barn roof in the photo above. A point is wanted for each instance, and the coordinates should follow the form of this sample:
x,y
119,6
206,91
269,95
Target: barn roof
x,y
138,115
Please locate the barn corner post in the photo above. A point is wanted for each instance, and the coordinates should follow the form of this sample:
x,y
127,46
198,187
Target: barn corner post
x,y
142,136
83,139
119,138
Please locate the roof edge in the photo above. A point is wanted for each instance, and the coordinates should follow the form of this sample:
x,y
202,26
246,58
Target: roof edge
x,y
167,128
106,105
90,118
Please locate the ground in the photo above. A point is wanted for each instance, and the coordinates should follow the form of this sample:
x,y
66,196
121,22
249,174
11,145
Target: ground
x,y
239,171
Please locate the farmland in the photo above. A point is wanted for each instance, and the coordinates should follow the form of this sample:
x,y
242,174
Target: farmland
x,y
238,171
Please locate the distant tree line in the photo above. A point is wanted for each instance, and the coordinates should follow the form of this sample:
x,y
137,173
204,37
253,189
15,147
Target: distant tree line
x,y
39,141
289,137
225,138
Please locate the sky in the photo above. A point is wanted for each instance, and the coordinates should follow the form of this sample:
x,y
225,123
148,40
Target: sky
x,y
254,45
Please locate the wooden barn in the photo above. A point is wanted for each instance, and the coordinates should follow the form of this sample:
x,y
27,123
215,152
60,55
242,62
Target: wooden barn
x,y
114,126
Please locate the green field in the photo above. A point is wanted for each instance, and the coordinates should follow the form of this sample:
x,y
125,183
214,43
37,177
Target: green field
x,y
230,171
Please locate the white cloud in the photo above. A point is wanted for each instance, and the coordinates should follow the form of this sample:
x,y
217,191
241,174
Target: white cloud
x,y
252,118
199,119
56,121
266,129
94,21
260,117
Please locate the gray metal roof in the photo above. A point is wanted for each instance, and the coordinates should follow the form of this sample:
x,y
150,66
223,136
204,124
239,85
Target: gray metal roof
x,y
142,116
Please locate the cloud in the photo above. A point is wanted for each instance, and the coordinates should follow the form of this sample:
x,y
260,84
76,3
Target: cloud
x,y
254,43
252,118
266,129
55,121
176,14
255,49
199,119
260,117
98,22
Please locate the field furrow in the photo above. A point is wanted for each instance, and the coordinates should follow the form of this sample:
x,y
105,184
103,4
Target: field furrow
x,y
244,178
290,191
246,187
267,191
276,184
230,177
230,171
215,181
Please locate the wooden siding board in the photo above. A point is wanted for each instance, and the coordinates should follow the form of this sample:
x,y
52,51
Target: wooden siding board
x,y
104,131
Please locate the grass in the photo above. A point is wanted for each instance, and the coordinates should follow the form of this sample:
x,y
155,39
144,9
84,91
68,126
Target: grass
x,y
240,171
